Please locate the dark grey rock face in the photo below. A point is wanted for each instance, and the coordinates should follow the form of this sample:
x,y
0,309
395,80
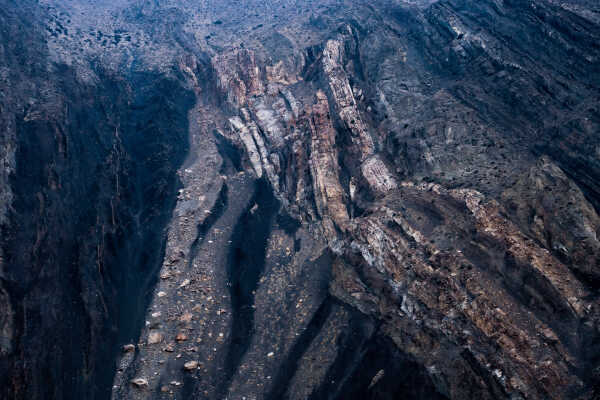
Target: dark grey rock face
x,y
299,199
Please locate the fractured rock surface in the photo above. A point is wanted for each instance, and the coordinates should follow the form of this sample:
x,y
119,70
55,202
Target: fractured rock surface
x,y
333,199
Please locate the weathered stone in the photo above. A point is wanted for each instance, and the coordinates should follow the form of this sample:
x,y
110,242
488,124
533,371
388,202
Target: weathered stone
x,y
128,348
190,365
155,337
181,337
140,382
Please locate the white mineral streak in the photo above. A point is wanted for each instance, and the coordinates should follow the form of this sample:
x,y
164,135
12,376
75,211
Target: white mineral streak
x,y
374,170
378,175
246,138
344,97
323,164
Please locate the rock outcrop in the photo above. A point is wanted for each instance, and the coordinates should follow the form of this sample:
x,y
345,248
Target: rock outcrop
x,y
282,200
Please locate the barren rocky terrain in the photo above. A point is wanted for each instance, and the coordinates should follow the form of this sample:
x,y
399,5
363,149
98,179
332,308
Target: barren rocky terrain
x,y
319,199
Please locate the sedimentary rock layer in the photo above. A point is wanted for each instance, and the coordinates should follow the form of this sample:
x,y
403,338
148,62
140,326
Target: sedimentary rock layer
x,y
299,200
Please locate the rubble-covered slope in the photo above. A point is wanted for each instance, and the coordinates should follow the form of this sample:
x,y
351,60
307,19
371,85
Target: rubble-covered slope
x,y
303,200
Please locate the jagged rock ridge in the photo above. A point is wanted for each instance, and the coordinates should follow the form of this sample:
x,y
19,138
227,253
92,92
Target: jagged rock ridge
x,y
303,200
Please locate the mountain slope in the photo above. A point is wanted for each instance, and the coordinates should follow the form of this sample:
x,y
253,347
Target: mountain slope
x,y
303,200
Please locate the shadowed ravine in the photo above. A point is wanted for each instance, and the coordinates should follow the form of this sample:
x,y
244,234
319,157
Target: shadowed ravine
x,y
246,264
98,195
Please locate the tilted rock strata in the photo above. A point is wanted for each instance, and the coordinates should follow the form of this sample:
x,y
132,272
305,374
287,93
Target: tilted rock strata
x,y
349,193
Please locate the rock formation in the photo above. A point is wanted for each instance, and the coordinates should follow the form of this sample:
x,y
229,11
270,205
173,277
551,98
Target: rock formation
x,y
333,199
